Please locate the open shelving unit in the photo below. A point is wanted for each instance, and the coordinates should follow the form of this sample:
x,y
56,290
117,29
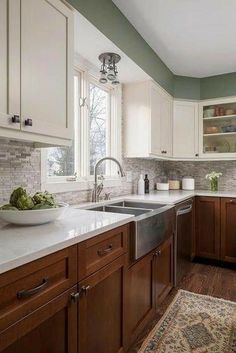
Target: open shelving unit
x,y
215,116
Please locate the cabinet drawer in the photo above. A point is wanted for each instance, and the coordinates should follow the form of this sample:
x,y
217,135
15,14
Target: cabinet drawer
x,y
26,288
99,251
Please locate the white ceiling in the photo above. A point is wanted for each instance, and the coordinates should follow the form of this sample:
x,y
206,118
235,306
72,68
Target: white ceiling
x,y
89,43
193,37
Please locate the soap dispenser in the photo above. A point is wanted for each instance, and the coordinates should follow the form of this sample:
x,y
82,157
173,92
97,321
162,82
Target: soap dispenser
x,y
141,185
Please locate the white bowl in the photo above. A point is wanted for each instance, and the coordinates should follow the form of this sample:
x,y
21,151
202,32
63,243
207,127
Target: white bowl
x,y
33,217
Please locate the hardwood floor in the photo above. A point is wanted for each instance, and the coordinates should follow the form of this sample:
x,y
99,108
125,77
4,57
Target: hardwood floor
x,y
203,279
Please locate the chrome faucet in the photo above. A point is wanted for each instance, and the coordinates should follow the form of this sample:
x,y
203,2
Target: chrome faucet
x,y
97,190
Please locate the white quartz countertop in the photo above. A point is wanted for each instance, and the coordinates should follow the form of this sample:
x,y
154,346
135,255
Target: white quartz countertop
x,y
20,245
171,197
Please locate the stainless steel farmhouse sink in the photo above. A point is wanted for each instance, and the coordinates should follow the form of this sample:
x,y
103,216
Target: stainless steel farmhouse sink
x,y
152,224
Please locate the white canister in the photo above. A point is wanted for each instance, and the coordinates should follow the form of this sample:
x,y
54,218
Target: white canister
x,y
188,183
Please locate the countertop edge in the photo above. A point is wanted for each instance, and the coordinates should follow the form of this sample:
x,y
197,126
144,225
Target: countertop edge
x,y
23,260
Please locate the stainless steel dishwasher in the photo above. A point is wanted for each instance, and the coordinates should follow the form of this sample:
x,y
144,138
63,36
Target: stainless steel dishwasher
x,y
183,239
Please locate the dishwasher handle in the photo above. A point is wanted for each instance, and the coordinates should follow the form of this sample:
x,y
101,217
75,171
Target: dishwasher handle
x,y
184,210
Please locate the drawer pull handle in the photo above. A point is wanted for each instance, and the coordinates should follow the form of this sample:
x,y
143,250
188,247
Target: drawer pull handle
x,y
106,251
25,293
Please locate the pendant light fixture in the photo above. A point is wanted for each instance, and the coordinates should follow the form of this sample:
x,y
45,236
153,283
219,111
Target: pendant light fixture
x,y
109,72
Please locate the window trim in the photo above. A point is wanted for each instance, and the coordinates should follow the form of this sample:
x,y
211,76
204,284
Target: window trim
x,y
85,181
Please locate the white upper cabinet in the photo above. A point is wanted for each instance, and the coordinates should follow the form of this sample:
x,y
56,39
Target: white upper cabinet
x,y
10,64
148,120
185,130
37,38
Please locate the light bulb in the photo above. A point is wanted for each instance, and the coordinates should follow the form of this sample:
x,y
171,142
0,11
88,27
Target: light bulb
x,y
111,74
116,81
103,78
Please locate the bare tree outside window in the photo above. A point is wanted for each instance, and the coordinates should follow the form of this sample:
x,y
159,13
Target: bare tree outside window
x,y
98,112
61,160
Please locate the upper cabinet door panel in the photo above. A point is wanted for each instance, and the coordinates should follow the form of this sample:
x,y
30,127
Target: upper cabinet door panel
x,y
185,130
9,67
166,126
46,67
155,121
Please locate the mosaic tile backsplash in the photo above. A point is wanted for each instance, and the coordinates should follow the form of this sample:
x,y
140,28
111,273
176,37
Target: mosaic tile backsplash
x,y
20,164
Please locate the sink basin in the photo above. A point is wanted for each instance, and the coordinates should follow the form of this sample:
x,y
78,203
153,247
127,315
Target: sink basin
x,y
121,209
137,204
152,224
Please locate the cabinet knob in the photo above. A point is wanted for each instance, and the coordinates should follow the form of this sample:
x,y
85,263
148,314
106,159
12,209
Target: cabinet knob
x,y
158,253
232,201
83,290
28,122
15,119
196,155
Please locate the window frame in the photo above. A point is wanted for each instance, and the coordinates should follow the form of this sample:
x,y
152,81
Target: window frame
x,y
84,180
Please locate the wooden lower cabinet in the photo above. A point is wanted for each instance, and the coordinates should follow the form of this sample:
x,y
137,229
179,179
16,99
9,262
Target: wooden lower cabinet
x,y
140,296
148,282
228,229
101,311
164,268
208,227
50,329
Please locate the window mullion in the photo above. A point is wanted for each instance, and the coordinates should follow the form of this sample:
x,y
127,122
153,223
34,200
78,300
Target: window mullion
x,y
84,128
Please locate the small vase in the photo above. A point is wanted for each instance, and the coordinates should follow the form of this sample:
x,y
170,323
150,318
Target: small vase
x,y
214,185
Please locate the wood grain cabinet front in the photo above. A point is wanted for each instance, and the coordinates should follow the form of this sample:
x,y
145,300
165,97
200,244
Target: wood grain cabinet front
x,y
101,310
164,268
208,227
52,328
148,282
228,229
97,252
30,286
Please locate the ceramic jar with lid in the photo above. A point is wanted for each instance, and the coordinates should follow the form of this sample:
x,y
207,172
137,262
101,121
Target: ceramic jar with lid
x,y
174,182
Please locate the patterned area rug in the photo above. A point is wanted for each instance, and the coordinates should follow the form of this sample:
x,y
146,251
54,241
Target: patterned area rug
x,y
194,323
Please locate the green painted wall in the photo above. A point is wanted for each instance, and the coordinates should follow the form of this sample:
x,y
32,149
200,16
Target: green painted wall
x,y
186,87
114,25
218,86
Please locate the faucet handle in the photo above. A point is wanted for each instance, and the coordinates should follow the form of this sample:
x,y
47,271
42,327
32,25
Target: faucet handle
x,y
101,177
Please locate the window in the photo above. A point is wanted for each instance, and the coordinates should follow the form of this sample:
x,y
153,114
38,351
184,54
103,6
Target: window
x,y
96,134
61,161
98,125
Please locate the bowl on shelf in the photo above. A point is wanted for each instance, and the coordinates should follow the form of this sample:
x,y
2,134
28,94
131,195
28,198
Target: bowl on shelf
x,y
211,130
229,112
229,128
209,113
33,217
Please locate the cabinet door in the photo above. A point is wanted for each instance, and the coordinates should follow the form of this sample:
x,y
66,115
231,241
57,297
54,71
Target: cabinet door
x,y
10,63
164,270
185,130
208,227
228,229
47,68
139,296
166,125
50,329
101,310
155,121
